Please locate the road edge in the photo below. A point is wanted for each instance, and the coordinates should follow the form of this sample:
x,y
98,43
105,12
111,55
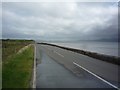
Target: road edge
x,y
103,57
100,78
34,68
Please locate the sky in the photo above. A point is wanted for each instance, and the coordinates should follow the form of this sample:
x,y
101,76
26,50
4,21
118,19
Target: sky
x,y
60,20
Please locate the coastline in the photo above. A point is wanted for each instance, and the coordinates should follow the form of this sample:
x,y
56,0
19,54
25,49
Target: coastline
x,y
103,57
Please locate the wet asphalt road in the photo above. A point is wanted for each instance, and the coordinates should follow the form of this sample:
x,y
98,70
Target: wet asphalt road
x,y
55,69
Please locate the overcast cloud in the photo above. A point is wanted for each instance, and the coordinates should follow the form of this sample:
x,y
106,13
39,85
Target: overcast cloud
x,y
60,21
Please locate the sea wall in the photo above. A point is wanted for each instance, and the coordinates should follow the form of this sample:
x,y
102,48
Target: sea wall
x,y
107,58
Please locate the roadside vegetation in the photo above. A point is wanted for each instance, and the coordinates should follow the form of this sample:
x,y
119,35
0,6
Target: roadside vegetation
x,y
10,47
17,67
0,64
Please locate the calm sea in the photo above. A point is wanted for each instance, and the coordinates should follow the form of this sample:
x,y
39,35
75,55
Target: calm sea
x,y
108,48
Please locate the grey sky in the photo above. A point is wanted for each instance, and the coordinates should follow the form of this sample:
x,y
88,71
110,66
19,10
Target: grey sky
x,y
60,21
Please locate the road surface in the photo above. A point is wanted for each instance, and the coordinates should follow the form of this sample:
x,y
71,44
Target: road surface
x,y
59,68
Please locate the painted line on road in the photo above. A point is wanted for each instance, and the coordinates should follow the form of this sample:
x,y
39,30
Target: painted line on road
x,y
58,54
96,76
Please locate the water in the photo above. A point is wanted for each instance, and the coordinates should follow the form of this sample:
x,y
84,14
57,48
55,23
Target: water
x,y
108,48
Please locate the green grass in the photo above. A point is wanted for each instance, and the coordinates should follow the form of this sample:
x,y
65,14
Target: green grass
x,y
10,47
17,69
0,75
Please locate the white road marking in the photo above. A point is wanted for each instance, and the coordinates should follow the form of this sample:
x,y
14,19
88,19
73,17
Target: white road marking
x,y
96,76
58,54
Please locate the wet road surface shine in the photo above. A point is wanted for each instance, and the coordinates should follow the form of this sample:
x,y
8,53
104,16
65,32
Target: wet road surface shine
x,y
51,74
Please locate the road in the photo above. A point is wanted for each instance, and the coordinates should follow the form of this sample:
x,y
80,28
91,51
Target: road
x,y
59,68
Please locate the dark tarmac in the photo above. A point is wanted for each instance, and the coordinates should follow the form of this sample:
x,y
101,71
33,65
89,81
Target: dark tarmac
x,y
55,69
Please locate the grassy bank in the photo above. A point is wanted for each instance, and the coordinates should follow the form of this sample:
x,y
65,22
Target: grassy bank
x,y
10,47
17,68
0,74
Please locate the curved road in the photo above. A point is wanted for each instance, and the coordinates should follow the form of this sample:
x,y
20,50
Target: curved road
x,y
59,68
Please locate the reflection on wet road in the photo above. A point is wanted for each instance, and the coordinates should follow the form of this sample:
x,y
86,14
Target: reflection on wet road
x,y
51,74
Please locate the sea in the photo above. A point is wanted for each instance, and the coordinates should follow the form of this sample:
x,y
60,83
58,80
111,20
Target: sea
x,y
107,48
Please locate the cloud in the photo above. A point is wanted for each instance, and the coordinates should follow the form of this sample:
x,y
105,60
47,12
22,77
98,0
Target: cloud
x,y
53,20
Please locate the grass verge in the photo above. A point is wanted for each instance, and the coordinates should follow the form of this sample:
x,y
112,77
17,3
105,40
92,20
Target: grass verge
x,y
17,70
10,47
